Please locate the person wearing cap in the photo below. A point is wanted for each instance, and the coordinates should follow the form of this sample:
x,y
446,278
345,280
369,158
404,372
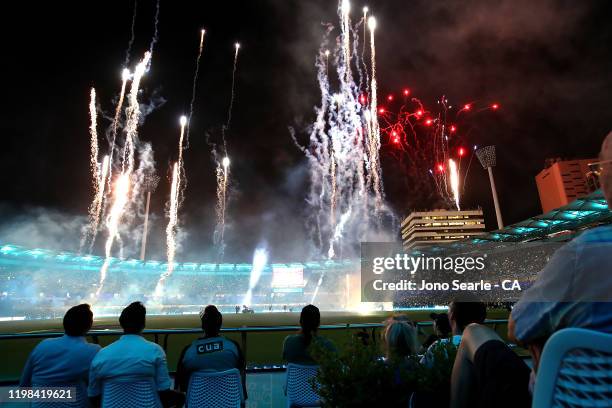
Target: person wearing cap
x,y
211,352
573,290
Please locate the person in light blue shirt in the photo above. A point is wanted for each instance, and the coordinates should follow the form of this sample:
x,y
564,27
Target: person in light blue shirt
x,y
573,290
63,360
132,357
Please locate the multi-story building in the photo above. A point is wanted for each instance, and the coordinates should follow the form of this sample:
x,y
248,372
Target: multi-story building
x,y
563,181
423,228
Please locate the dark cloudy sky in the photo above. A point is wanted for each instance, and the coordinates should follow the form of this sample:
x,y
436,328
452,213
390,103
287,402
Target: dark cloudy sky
x,y
546,62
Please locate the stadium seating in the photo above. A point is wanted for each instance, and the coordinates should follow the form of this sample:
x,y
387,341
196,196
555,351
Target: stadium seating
x,y
300,392
135,393
575,370
212,389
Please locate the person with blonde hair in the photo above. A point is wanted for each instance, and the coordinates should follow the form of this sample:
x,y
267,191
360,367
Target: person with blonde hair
x,y
400,340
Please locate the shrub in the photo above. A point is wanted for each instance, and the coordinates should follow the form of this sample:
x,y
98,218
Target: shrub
x,y
357,376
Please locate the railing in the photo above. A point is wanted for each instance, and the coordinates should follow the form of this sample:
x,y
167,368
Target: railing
x,y
166,333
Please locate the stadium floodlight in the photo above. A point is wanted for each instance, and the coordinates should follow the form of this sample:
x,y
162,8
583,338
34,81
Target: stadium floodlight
x,y
150,183
488,159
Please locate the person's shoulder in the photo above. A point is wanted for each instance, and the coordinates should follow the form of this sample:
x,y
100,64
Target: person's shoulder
x,y
294,337
325,342
91,347
599,235
152,346
231,342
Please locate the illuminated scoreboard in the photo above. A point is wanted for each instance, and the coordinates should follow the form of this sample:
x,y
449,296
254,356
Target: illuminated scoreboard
x,y
287,278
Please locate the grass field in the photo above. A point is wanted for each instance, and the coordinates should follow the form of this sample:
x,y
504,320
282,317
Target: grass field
x,y
261,348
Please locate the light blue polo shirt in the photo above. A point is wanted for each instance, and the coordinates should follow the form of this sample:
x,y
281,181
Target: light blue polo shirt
x,y
130,357
62,360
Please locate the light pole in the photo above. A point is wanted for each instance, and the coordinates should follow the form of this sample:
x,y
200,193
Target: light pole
x,y
487,158
149,185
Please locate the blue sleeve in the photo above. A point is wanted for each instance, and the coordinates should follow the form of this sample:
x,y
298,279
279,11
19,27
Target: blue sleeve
x,y
162,378
542,307
94,387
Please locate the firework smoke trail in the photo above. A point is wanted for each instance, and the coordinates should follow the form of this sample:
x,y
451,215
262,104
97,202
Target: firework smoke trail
x,y
171,229
363,47
175,202
231,105
454,181
346,38
132,37
98,202
133,116
343,156
374,136
93,159
222,173
260,259
155,32
120,199
195,82
125,76
94,216
122,188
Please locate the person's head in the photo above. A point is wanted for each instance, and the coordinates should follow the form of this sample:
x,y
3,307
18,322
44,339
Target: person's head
x,y
441,325
132,318
465,309
78,320
605,178
400,339
211,321
310,319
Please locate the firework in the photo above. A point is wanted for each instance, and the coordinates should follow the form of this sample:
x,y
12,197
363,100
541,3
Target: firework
x,y
125,77
374,128
95,207
170,229
260,259
121,192
195,81
222,173
231,105
454,181
132,36
133,116
423,141
120,199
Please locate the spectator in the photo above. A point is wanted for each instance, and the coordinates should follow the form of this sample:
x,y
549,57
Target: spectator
x,y
296,346
211,352
132,357
400,340
463,310
571,291
441,329
64,360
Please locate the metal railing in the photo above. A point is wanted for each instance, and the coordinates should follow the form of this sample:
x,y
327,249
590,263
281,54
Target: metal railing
x,y
243,331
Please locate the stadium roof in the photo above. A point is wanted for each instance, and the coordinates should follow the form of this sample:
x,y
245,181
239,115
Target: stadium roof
x,y
584,212
17,256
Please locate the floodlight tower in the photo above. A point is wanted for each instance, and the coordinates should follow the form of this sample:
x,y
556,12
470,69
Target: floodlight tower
x,y
149,185
487,158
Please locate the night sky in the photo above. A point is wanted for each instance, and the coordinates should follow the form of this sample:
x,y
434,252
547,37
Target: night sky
x,y
546,62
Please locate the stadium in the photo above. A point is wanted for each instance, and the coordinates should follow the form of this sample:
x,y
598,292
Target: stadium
x,y
248,216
